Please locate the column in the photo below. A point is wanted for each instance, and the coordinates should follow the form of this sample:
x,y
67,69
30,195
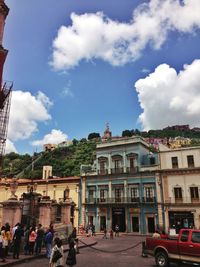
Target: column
x,y
159,200
110,189
109,164
124,161
45,213
125,189
11,212
66,212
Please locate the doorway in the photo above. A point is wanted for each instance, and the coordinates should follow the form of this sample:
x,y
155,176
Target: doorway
x,y
102,223
151,225
118,217
135,224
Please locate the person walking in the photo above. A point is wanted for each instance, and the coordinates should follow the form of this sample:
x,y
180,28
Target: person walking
x,y
39,239
17,241
105,233
71,257
57,254
111,233
26,241
117,230
32,238
48,240
7,238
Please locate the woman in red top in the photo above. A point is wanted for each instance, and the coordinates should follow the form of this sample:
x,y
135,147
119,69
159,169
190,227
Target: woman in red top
x,y
32,238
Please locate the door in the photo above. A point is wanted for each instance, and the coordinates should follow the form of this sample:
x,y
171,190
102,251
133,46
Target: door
x,y
102,223
135,224
194,246
151,225
184,244
118,217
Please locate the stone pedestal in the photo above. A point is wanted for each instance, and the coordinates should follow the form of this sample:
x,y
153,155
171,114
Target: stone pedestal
x,y
66,211
11,212
45,212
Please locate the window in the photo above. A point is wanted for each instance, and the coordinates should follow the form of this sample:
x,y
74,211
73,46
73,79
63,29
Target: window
x,y
196,237
152,161
131,163
174,162
184,236
91,195
178,193
117,164
103,195
190,160
194,192
134,194
149,194
118,194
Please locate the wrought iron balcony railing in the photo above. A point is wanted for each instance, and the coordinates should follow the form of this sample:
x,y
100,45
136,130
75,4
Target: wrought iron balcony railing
x,y
118,200
132,169
103,172
117,170
184,200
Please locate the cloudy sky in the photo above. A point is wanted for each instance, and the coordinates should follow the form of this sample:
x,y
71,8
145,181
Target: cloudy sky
x,y
77,65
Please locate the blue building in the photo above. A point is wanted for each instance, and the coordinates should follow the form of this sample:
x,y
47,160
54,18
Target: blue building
x,y
121,187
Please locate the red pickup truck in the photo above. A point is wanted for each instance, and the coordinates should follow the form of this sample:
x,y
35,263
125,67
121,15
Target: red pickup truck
x,y
185,249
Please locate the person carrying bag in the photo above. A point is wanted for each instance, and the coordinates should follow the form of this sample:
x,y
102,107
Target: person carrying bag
x,y
71,258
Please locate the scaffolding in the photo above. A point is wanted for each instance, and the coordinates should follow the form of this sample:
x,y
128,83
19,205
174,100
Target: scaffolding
x,y
5,100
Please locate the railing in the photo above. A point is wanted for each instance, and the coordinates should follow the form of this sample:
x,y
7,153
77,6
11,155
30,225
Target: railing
x,y
117,170
148,199
103,172
185,200
132,169
122,200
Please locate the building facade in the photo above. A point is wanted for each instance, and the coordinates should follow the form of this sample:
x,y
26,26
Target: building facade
x,y
122,187
53,190
180,177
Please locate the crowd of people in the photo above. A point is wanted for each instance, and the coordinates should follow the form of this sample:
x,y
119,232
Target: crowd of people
x,y
31,240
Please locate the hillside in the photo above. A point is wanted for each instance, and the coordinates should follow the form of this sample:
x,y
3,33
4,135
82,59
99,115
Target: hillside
x,y
66,161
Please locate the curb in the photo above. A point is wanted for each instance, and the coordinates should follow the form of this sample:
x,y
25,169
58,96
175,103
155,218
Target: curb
x,y
40,256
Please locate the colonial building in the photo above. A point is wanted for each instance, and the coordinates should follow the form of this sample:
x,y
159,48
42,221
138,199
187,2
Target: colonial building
x,y
121,187
50,192
180,178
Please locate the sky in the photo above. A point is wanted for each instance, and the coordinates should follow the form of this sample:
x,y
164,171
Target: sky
x,y
79,64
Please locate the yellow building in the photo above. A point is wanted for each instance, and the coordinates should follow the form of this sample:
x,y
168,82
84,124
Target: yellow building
x,y
53,187
179,141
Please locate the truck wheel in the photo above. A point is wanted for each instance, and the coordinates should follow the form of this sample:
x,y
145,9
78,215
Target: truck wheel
x,y
162,259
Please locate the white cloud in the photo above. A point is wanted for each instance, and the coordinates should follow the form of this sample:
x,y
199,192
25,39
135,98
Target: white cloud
x,y
169,98
67,90
55,137
26,111
94,36
10,147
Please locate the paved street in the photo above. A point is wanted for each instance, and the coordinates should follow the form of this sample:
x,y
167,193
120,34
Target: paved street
x,y
90,257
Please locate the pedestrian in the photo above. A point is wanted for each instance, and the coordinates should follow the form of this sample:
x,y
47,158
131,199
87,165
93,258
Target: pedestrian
x,y
93,230
117,230
71,257
39,239
32,239
48,241
105,233
2,246
111,233
26,240
57,254
17,241
7,238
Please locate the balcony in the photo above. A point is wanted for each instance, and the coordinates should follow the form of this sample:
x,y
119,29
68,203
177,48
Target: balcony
x,y
117,170
118,200
103,172
148,199
182,201
132,169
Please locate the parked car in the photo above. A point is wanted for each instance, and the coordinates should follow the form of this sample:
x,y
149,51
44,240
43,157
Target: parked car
x,y
184,249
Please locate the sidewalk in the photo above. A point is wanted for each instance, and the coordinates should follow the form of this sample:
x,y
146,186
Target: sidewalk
x,y
23,258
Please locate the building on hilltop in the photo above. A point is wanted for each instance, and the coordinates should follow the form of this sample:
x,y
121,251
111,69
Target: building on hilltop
x,y
122,190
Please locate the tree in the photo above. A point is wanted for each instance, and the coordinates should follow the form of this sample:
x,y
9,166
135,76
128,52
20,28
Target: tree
x,y
93,136
126,133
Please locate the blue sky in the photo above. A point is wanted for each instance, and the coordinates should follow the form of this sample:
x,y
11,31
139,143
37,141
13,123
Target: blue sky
x,y
77,65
